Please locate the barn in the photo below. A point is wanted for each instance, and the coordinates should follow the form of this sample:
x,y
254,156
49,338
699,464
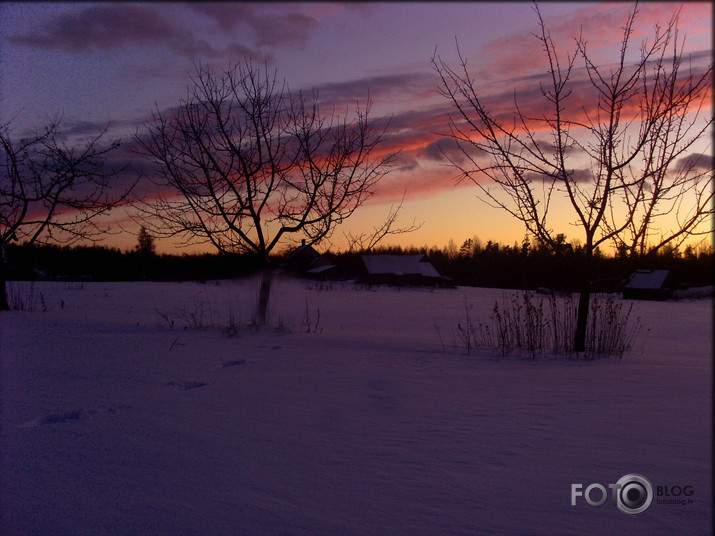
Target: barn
x,y
305,261
301,258
401,270
649,285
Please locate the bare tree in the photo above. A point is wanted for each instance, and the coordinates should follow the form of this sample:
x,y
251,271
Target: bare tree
x,y
53,192
244,163
617,143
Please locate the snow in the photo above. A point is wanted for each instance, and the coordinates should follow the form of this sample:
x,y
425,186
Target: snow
x,y
694,293
355,411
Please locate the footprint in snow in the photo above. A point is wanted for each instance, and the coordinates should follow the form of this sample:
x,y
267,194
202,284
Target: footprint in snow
x,y
54,418
233,363
69,416
185,386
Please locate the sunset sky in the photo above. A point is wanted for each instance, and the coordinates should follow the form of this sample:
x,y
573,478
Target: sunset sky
x,y
95,63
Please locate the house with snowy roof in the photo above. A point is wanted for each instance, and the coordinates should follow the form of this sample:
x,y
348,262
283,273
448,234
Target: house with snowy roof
x,y
301,258
401,270
305,261
649,285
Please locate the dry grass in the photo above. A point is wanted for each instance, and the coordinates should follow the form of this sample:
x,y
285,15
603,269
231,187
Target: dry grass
x,y
535,326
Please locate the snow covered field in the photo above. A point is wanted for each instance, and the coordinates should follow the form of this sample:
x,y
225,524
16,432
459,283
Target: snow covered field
x,y
376,422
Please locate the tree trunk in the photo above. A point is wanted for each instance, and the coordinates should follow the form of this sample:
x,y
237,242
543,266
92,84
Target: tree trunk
x,y
264,296
3,295
584,303
4,306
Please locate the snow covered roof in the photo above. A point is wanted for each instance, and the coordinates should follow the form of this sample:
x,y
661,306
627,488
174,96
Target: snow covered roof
x,y
648,279
399,265
320,269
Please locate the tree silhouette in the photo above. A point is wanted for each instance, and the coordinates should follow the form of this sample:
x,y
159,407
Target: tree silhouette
x,y
145,242
244,164
637,125
51,191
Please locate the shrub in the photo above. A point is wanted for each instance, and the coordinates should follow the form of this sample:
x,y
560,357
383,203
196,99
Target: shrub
x,y
521,323
610,331
22,297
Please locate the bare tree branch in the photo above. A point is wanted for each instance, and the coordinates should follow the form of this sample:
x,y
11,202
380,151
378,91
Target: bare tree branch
x,y
365,242
53,192
243,162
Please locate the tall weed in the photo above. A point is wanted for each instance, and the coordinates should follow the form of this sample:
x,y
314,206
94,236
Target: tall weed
x,y
21,296
533,327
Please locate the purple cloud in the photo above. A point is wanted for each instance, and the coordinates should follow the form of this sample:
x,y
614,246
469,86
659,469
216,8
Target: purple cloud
x,y
270,28
448,150
107,27
694,163
101,27
382,88
582,175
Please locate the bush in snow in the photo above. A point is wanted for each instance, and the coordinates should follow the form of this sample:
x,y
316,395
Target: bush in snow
x,y
522,323
21,297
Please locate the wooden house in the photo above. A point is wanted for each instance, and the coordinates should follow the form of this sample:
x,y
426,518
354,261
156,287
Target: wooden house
x,y
649,285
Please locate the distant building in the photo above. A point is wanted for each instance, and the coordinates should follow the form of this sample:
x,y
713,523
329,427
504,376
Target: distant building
x,y
649,285
323,270
307,262
301,258
401,270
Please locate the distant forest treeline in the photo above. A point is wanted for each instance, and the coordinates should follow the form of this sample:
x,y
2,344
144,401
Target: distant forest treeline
x,y
528,266
472,264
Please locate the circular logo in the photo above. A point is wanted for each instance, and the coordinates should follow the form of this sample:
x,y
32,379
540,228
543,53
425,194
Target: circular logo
x,y
635,494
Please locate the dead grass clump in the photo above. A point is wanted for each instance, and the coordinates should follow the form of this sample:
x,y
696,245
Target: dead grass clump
x,y
532,327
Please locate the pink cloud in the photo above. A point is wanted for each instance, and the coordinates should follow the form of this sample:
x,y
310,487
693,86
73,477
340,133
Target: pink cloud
x,y
602,26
